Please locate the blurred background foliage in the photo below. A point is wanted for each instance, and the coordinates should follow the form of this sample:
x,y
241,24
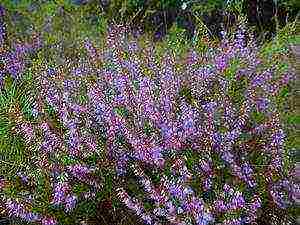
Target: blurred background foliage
x,y
76,19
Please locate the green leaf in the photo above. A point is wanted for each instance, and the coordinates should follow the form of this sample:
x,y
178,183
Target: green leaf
x,y
258,117
294,119
79,188
121,111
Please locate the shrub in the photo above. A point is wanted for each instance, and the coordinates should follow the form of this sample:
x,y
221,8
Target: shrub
x,y
192,140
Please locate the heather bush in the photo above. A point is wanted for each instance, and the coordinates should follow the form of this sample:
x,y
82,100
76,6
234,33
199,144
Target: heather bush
x,y
196,136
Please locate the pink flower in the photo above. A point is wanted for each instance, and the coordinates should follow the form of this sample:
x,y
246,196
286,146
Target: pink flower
x,y
49,221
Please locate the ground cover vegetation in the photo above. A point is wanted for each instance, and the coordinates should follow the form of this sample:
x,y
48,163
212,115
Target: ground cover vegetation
x,y
149,112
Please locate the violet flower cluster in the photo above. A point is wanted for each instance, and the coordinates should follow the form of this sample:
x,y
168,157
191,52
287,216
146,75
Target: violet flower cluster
x,y
153,111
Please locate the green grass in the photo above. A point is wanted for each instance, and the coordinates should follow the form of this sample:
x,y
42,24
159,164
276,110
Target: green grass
x,y
15,106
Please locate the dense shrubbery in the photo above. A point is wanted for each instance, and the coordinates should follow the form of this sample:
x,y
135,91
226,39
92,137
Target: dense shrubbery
x,y
196,135
156,17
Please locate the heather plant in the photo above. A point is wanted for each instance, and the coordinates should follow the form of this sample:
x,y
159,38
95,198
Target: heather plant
x,y
198,139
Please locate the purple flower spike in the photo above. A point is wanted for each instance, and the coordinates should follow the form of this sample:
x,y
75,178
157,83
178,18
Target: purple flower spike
x,y
221,62
49,221
14,208
247,169
278,138
220,206
31,217
262,104
237,202
2,32
60,191
70,203
2,11
204,219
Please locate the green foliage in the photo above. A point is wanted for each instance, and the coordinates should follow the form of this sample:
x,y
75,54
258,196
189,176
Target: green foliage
x,y
176,40
13,152
15,105
237,90
121,111
289,4
191,158
135,4
167,4
285,36
207,6
258,117
235,6
79,188
294,119
232,69
16,4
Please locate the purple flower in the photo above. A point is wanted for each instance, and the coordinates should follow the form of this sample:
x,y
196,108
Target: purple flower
x,y
210,107
79,171
235,221
276,161
232,135
133,66
51,72
220,205
176,191
2,11
60,191
50,143
49,221
228,157
204,219
159,212
277,138
167,130
227,188
23,177
70,202
262,104
90,49
237,202
278,198
31,217
14,64
247,170
260,79
74,140
204,73
133,47
2,32
239,40
205,165
193,57
216,140
255,203
207,184
170,207
2,183
251,182
131,202
27,131
194,205
157,156
221,62
14,208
